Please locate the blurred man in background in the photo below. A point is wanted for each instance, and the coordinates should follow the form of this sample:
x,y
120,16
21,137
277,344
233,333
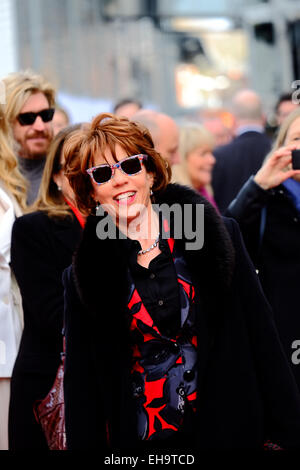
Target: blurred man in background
x,y
164,132
284,106
220,132
127,107
241,158
29,108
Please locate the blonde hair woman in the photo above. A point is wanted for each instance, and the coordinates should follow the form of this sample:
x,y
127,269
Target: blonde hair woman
x,y
61,119
268,211
43,242
11,179
12,204
197,161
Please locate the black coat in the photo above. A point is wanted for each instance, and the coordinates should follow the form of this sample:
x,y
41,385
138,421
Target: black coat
x,y
276,255
246,391
41,249
235,163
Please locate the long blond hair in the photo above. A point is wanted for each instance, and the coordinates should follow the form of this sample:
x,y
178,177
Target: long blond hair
x,y
10,175
20,86
50,199
191,136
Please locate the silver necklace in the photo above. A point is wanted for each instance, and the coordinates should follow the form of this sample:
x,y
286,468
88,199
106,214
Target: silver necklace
x,y
142,252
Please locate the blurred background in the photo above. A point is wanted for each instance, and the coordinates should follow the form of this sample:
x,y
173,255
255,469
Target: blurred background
x,y
182,57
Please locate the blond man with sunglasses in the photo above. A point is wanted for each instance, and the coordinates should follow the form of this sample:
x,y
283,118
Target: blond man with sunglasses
x,y
29,108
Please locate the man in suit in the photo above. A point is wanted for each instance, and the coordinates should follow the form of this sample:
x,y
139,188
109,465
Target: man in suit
x,y
127,107
238,160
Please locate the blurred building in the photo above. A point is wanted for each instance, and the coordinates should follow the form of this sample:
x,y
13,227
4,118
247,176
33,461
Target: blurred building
x,y
8,46
273,31
175,55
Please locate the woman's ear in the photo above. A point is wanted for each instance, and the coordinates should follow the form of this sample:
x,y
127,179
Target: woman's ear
x,y
150,177
57,179
93,196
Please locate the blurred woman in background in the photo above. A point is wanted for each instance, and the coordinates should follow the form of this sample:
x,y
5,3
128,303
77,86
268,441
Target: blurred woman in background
x,y
60,119
268,211
12,204
197,161
42,246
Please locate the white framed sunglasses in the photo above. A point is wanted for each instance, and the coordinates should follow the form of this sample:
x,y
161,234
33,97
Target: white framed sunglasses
x,y
131,166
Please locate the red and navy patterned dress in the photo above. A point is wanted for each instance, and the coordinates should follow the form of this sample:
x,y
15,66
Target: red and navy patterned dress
x,y
164,373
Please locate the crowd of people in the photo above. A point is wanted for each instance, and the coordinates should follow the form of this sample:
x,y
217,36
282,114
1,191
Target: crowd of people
x,y
167,344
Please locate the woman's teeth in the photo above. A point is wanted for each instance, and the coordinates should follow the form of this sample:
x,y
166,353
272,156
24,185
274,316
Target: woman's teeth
x,y
125,196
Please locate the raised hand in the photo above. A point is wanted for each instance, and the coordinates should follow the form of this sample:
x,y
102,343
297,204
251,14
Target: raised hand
x,y
277,168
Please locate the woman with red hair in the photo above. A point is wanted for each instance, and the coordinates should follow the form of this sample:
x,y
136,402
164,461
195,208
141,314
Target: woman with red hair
x,y
169,344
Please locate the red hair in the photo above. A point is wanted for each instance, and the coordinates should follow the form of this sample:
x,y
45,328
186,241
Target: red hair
x,y
108,130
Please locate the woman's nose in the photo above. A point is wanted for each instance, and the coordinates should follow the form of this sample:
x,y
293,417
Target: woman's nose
x,y
119,177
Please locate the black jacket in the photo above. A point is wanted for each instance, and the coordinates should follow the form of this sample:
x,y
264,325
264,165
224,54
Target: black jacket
x,y
276,254
41,249
235,163
246,392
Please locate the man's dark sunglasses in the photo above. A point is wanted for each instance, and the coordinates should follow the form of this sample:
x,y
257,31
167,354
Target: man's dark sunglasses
x,y
27,119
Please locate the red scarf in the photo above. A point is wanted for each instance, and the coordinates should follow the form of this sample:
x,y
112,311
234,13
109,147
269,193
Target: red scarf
x,y
76,212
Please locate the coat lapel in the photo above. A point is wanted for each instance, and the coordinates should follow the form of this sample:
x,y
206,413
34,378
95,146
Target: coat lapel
x,y
63,231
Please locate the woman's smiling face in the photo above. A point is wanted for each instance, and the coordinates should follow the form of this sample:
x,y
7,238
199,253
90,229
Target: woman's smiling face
x,y
123,196
200,163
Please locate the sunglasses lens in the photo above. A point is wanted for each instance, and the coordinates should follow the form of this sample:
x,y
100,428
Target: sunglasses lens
x,y
131,166
102,174
47,114
26,119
